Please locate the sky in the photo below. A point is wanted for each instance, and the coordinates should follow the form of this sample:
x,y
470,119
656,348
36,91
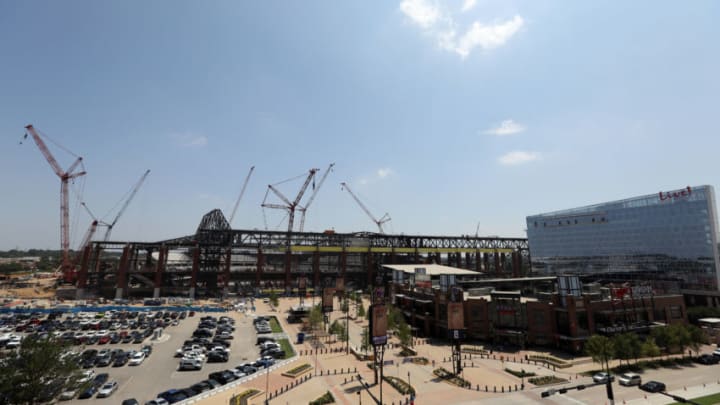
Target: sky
x,y
451,116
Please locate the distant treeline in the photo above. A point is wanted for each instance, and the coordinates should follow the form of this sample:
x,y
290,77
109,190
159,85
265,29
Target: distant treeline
x,y
30,252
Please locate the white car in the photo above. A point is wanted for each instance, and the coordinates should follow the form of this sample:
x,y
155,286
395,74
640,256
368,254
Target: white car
x,y
716,352
238,373
68,394
268,345
86,376
602,377
107,389
136,359
221,349
195,356
628,379
14,342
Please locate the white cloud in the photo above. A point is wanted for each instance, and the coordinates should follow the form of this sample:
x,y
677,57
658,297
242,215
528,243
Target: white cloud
x,y
420,12
468,5
486,37
518,157
507,127
384,172
441,26
189,139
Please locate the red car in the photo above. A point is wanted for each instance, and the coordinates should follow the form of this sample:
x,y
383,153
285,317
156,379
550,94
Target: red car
x,y
103,339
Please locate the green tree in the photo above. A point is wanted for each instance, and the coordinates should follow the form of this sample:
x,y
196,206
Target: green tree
x,y
601,349
697,338
663,338
41,369
361,310
404,333
345,305
650,348
315,318
680,336
365,344
273,298
627,346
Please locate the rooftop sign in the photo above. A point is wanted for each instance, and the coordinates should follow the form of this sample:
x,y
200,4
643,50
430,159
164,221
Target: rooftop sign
x,y
674,195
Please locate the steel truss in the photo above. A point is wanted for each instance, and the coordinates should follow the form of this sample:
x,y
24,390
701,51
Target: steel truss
x,y
219,260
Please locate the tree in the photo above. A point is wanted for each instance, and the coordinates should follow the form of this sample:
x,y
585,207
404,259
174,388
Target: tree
x,y
360,310
404,333
697,338
344,305
601,349
365,344
680,336
316,317
627,346
41,369
650,348
273,298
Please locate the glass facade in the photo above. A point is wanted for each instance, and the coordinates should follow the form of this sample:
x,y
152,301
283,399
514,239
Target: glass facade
x,y
663,236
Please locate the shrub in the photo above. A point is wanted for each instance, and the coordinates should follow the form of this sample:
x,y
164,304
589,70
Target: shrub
x,y
326,398
295,371
520,374
400,385
445,375
545,380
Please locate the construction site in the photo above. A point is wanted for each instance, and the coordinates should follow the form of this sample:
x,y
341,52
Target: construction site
x,y
218,261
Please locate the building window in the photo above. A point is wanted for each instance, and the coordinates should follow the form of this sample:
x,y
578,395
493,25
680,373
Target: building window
x,y
675,312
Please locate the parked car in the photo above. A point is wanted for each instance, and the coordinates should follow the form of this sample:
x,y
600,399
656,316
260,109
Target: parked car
x,y
130,401
202,386
629,379
172,396
708,359
602,377
157,401
88,392
107,389
190,364
136,359
147,349
653,386
101,379
716,352
121,360
217,357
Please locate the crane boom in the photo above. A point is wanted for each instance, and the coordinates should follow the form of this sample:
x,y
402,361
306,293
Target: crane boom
x,y
378,222
65,177
125,205
312,196
291,206
242,192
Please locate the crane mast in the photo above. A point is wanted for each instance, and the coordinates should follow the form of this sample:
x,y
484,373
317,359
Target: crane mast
x,y
125,205
379,222
312,196
65,177
242,192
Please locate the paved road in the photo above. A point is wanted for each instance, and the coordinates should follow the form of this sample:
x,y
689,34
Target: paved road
x,y
159,372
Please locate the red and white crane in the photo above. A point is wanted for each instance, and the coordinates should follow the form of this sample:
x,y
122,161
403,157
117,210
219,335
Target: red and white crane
x,y
312,196
289,207
242,192
379,222
65,176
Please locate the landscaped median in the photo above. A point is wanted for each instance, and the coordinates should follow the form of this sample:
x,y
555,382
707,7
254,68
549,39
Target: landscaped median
x,y
275,325
400,385
245,396
326,398
297,371
546,380
451,378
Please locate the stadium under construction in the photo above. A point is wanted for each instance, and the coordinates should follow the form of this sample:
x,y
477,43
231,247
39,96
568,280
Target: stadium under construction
x,y
218,261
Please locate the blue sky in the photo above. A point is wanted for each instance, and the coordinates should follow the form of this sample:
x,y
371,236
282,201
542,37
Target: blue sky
x,y
441,113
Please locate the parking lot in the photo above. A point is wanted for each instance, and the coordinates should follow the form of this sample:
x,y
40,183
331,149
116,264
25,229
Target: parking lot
x,y
159,371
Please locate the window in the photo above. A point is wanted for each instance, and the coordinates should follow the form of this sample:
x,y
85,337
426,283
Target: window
x,y
675,312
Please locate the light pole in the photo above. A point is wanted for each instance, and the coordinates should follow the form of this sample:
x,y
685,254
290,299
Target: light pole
x,y
267,383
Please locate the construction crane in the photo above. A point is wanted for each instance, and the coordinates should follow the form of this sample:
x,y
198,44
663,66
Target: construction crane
x,y
125,205
65,176
379,222
289,207
312,196
242,192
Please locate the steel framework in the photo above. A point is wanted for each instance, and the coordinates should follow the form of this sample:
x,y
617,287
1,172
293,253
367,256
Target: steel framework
x,y
218,260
